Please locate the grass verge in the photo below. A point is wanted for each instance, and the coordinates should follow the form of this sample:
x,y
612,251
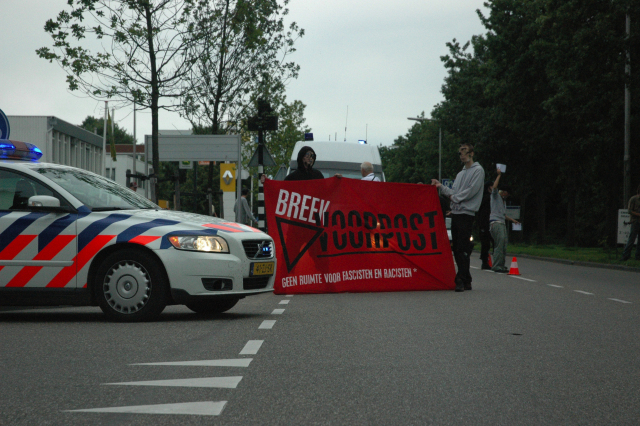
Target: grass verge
x,y
577,254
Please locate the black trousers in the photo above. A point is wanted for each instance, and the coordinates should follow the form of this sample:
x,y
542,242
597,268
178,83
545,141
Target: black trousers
x,y
486,241
461,226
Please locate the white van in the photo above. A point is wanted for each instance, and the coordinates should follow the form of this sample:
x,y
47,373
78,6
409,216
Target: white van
x,y
340,157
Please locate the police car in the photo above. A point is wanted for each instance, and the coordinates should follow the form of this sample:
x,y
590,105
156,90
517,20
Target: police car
x,y
71,237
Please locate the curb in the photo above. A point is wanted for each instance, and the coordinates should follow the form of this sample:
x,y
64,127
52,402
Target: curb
x,y
579,263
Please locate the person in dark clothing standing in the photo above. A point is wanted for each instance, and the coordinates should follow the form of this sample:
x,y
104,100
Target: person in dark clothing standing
x,y
242,209
305,170
634,213
482,219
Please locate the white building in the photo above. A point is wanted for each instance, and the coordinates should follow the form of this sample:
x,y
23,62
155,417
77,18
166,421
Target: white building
x,y
59,141
117,170
64,143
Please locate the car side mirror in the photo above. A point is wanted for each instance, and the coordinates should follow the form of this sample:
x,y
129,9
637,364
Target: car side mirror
x,y
46,203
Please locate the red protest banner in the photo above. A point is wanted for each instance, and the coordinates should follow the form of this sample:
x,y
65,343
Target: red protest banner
x,y
340,234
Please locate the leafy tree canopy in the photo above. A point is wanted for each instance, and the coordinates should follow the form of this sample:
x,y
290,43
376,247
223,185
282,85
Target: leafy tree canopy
x,y
543,92
96,125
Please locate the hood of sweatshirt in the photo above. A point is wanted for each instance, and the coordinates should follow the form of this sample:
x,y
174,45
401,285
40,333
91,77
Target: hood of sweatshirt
x,y
303,151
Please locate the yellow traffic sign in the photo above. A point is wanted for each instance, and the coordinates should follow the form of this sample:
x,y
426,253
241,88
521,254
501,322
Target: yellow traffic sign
x,y
228,177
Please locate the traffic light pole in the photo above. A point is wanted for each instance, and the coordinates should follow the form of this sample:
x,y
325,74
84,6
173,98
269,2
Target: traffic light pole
x,y
262,121
261,216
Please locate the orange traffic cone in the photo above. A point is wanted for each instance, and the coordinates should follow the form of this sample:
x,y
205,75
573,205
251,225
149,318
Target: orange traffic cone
x,y
514,267
490,262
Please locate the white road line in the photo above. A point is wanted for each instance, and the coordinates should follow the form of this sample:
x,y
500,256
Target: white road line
x,y
239,362
252,347
196,382
474,267
204,408
524,279
621,301
583,292
284,302
556,286
277,312
289,295
489,270
267,324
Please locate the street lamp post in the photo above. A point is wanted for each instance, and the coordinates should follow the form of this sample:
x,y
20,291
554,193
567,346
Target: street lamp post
x,y
439,144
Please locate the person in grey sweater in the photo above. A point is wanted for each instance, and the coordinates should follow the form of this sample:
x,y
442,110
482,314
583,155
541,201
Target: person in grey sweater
x,y
465,197
497,223
242,210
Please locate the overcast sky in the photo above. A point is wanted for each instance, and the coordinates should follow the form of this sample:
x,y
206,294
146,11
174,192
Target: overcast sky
x,y
379,58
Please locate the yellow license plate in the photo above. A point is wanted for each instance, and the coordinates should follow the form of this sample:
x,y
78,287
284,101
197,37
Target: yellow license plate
x,y
264,268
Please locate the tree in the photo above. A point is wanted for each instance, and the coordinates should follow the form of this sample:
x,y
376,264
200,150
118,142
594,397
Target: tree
x,y
188,203
466,111
280,143
542,91
96,125
414,157
515,86
242,49
145,55
242,46
584,43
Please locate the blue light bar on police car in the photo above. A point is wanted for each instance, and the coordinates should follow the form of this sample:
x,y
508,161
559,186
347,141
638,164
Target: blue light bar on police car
x,y
6,145
17,150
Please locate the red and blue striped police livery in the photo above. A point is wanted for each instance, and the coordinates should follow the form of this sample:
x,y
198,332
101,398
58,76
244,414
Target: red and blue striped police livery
x,y
71,237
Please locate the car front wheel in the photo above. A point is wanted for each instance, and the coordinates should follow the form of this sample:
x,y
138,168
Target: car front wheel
x,y
131,287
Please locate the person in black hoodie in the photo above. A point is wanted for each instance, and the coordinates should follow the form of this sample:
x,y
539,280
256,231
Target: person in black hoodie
x,y
305,170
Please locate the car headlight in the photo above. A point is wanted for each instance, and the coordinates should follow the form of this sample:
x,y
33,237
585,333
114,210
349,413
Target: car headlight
x,y
206,243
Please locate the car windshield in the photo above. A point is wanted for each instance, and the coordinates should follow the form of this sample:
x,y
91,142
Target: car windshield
x,y
96,192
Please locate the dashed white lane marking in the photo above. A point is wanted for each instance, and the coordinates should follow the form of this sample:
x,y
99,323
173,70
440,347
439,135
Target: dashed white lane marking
x,y
284,302
474,267
524,279
252,347
277,312
204,408
196,382
589,294
239,362
621,301
267,324
289,295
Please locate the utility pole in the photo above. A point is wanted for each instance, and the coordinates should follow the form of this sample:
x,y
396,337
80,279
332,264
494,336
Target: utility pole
x,y
135,141
104,140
